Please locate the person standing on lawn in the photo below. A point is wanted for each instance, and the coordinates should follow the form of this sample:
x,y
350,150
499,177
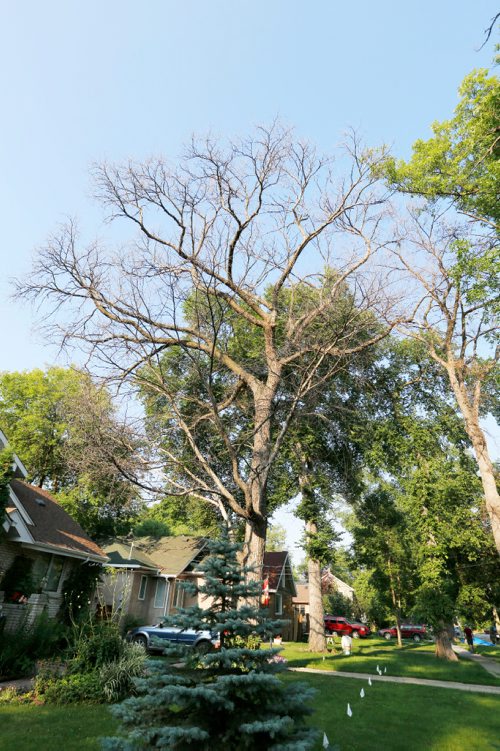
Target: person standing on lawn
x,y
493,633
469,637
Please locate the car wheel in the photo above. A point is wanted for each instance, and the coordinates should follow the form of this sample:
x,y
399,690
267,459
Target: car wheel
x,y
417,638
203,647
140,639
387,636
355,634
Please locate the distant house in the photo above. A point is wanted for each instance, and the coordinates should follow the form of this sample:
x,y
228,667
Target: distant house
x,y
329,583
278,578
144,576
44,543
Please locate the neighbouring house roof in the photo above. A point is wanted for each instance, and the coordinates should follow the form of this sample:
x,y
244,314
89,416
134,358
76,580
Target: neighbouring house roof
x,y
171,555
302,596
50,526
278,570
128,554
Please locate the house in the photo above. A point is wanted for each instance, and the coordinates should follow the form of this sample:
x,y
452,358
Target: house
x,y
43,544
329,583
280,584
144,575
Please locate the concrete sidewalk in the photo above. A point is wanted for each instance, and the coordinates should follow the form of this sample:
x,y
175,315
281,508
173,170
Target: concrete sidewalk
x,y
471,687
491,666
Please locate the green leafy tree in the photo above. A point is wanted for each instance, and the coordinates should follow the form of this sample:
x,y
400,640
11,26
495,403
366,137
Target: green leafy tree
x,y
65,430
461,162
227,699
456,269
417,450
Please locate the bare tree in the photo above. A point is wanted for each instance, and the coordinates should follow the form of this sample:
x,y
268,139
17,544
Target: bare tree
x,y
455,277
224,243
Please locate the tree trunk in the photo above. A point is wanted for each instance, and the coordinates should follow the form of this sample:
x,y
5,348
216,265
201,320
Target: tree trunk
x,y
396,604
317,641
443,644
470,413
255,546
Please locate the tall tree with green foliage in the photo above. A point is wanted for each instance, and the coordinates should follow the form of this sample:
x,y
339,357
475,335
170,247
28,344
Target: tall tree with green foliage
x,y
456,268
230,699
433,526
65,430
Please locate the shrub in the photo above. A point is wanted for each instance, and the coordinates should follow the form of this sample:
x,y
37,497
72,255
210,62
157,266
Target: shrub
x,y
40,640
72,689
117,677
96,644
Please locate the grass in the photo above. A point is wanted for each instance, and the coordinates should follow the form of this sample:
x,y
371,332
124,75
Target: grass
x,y
395,717
412,661
391,717
492,653
27,727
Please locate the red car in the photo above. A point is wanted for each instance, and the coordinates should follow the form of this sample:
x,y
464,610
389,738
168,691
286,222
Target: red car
x,y
338,625
408,631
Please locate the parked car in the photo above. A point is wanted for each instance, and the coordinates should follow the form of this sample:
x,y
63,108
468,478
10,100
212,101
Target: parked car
x,y
152,636
338,625
408,631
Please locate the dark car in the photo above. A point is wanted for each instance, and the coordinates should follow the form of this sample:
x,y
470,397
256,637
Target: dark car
x,y
151,637
408,631
338,625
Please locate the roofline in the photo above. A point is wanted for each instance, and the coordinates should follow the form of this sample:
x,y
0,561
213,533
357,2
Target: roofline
x,y
68,552
20,508
132,566
17,460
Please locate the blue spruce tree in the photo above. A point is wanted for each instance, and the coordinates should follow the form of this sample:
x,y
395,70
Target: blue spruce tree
x,y
226,700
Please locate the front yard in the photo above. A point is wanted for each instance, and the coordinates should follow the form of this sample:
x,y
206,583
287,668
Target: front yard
x,y
412,661
390,717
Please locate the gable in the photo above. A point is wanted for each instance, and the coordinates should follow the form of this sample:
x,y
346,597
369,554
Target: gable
x,y
48,524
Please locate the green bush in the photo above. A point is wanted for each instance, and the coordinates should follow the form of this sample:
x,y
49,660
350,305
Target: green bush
x,y
37,641
96,644
72,689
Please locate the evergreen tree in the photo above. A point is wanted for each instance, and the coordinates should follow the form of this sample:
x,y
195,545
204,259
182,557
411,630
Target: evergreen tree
x,y
227,699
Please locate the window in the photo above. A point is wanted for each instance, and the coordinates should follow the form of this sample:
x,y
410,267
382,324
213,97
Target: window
x,y
179,595
142,588
47,572
54,574
279,604
161,589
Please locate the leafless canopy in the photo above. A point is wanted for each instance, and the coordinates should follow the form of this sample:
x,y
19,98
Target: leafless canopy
x,y
262,236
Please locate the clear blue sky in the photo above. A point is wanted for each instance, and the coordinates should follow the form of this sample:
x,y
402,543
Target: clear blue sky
x,y
84,81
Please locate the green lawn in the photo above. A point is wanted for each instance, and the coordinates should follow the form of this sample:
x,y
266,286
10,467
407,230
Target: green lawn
x,y
492,653
27,727
413,661
390,718
395,717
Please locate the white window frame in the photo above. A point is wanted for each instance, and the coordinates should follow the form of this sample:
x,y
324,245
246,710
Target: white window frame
x,y
144,580
278,609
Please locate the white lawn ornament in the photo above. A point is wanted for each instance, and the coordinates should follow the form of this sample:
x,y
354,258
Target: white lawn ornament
x,y
349,710
385,670
362,693
369,681
326,742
